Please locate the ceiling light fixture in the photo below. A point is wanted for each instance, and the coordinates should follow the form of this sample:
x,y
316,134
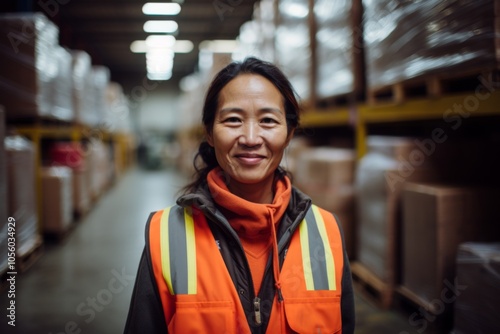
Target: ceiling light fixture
x,y
161,8
219,45
160,26
179,46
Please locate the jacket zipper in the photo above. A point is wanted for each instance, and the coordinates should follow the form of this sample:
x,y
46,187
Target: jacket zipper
x,y
256,310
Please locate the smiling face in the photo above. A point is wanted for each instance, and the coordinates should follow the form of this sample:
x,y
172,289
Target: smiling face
x,y
249,133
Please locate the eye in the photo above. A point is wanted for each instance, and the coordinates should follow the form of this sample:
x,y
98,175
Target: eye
x,y
232,120
269,120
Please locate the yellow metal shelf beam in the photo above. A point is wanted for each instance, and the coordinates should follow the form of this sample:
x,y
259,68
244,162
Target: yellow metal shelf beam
x,y
446,108
327,117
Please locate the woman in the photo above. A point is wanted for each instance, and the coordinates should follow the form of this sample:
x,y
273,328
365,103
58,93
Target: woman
x,y
243,251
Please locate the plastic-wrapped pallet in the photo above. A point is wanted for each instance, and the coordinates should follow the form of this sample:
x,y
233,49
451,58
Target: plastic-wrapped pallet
x,y
100,78
406,39
257,37
118,117
3,194
82,85
477,288
74,156
57,199
339,48
30,66
21,184
326,174
293,45
379,179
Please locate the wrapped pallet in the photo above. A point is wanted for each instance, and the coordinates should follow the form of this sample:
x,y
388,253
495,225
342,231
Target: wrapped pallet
x,y
82,88
326,174
408,39
74,156
293,45
257,37
100,81
3,194
57,199
477,292
339,49
441,217
29,54
21,193
380,176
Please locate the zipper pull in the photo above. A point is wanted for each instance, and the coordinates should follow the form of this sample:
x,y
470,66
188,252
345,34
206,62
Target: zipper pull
x,y
256,310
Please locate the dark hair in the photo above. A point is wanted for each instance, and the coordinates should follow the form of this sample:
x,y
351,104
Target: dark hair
x,y
250,65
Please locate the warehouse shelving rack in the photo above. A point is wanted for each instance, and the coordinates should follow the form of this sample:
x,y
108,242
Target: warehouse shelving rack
x,y
74,133
433,109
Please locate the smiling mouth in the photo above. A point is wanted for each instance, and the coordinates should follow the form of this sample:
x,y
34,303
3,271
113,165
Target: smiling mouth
x,y
250,159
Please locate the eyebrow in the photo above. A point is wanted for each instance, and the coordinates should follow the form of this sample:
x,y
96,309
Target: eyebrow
x,y
240,110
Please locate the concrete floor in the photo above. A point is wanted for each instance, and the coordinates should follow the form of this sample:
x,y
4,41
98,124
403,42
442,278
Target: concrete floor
x,y
84,283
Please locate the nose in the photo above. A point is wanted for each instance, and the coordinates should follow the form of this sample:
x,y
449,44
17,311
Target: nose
x,y
251,135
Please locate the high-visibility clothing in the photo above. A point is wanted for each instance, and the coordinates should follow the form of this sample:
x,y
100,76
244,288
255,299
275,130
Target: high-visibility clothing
x,y
198,294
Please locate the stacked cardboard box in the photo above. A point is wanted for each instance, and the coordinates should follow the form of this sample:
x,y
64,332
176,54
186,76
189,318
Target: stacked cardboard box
x,y
33,65
408,39
339,48
21,193
326,174
441,217
74,156
3,194
57,199
477,288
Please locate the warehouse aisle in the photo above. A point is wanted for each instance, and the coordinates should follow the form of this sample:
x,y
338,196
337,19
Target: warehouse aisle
x,y
85,282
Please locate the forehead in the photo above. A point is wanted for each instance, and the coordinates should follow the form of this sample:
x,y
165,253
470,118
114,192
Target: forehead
x,y
249,86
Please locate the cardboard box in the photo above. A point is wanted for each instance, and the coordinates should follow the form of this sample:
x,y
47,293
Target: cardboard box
x,y
325,167
57,199
436,219
477,300
81,192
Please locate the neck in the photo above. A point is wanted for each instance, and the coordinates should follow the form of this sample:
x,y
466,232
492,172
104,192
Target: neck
x,y
257,193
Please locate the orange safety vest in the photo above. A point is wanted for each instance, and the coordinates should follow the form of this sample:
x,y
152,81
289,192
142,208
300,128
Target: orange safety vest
x,y
198,294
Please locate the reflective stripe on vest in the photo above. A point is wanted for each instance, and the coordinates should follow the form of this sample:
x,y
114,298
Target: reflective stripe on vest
x,y
178,247
317,257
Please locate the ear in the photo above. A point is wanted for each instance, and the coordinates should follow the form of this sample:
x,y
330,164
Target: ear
x,y
290,136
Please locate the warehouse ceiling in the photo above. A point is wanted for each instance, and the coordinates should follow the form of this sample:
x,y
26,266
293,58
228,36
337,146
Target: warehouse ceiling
x,y
106,29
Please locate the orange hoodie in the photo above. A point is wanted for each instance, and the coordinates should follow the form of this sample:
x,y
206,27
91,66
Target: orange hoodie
x,y
255,223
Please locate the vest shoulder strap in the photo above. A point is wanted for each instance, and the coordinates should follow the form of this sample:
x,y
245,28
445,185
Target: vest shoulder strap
x,y
178,249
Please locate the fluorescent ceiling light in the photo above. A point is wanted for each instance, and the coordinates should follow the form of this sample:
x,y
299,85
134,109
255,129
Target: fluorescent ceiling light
x,y
160,41
220,45
159,76
180,46
183,46
160,26
161,8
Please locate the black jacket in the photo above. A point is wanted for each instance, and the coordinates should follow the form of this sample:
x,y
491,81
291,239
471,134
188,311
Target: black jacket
x,y
146,312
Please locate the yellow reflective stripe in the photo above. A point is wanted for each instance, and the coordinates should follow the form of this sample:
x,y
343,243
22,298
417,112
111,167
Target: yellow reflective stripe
x,y
329,261
306,258
165,249
190,251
